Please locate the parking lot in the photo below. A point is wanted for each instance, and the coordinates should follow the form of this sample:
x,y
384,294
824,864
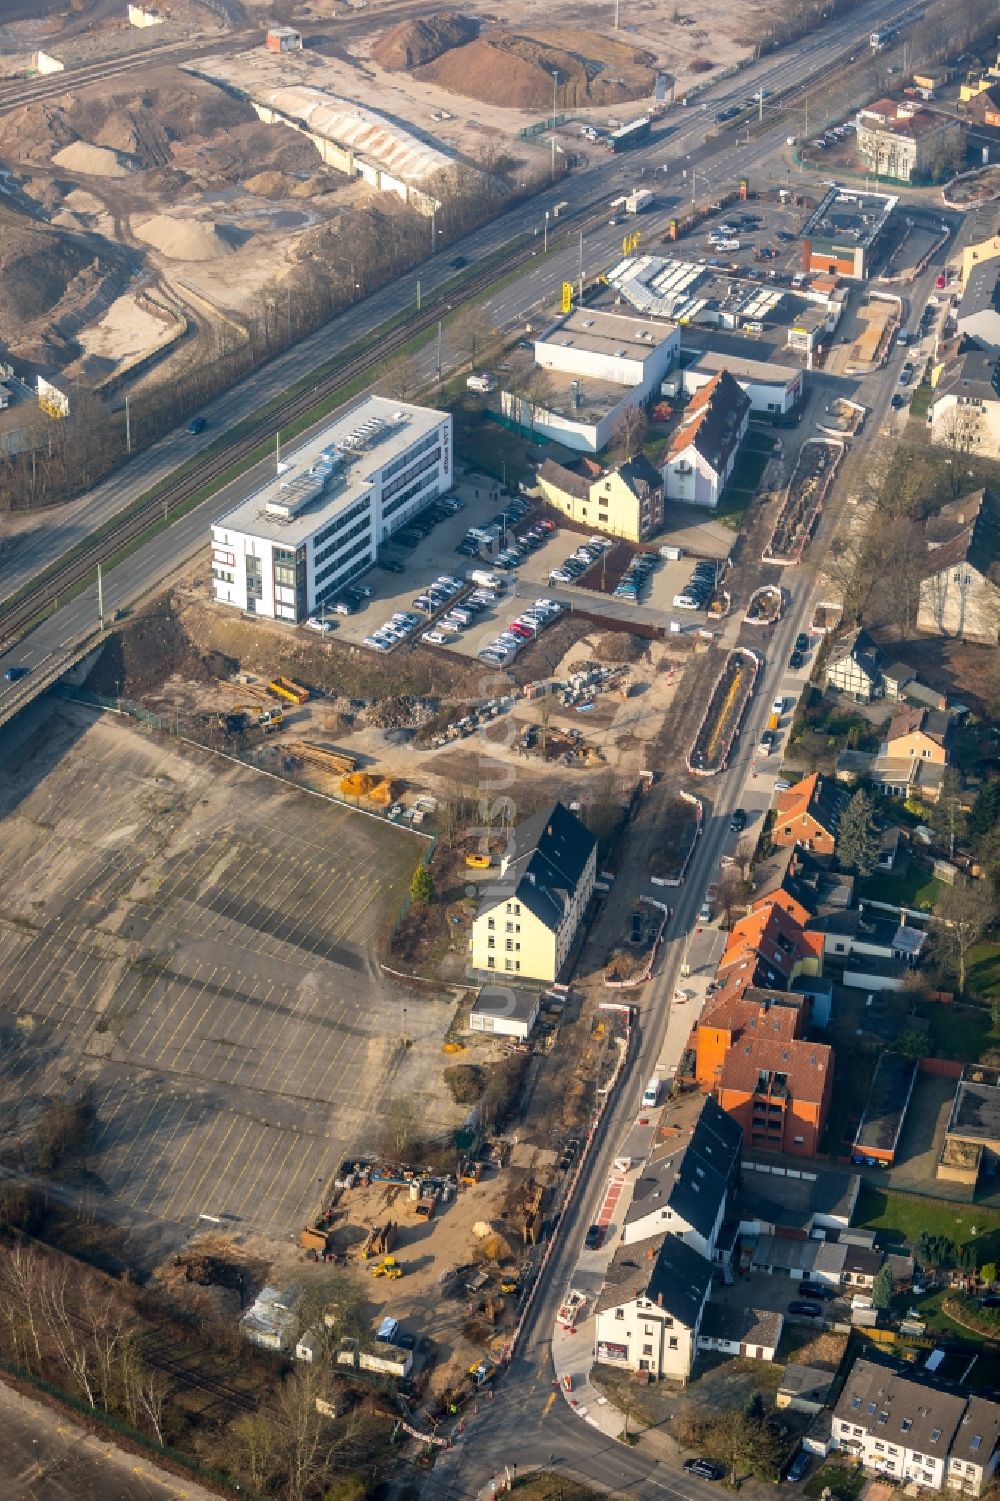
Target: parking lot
x,y
392,592
194,941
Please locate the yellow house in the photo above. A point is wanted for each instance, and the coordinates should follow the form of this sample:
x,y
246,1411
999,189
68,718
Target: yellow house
x,y
920,734
528,918
625,502
985,249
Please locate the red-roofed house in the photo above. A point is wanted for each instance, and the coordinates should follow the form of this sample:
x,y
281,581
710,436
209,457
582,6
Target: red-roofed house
x,y
779,1091
809,813
904,141
703,451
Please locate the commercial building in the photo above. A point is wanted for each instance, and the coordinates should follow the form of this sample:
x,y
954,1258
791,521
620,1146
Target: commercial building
x,y
772,390
623,502
596,364
978,314
527,919
913,1432
292,544
904,142
283,39
842,234
959,593
964,412
701,454
505,1012
649,1313
877,1138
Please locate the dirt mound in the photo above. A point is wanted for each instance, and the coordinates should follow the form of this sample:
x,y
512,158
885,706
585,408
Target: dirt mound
x,y
508,68
183,239
271,185
146,651
39,266
95,161
414,43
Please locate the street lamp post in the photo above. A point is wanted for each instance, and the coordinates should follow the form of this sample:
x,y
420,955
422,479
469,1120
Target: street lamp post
x,y
545,238
555,86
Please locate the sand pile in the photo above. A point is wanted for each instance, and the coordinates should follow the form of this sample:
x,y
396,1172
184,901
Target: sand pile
x,y
183,239
95,161
271,185
412,43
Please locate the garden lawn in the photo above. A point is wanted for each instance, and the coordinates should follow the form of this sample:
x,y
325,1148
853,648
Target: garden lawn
x,y
901,1217
984,970
964,1033
846,1481
914,888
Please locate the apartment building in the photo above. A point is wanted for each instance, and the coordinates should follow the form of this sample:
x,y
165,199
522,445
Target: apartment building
x,y
685,1188
649,1313
905,142
528,918
624,502
910,1431
291,545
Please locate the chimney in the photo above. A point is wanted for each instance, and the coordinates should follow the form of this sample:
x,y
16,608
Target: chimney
x,y
549,831
659,1300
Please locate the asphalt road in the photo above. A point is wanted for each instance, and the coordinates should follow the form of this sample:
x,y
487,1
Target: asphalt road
x,y
679,150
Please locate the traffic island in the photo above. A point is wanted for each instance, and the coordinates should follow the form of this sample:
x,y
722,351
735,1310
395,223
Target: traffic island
x,y
803,502
765,607
718,729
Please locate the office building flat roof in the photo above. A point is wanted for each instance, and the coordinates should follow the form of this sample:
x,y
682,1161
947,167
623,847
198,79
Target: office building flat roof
x,y
332,469
975,1115
849,218
742,369
623,334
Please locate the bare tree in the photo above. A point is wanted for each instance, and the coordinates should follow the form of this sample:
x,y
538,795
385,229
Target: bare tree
x,y
630,431
472,332
962,914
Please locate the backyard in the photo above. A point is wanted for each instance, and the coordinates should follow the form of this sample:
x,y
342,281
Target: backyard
x,y
900,1218
913,887
746,478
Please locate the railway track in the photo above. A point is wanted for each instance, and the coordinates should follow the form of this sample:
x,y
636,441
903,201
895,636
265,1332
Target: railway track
x,y
160,504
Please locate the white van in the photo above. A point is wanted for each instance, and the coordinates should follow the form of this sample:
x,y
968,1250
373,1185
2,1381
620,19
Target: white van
x,y
651,1094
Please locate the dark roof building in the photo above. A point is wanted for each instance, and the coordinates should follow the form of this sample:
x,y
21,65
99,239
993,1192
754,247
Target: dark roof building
x,y
685,1187
549,856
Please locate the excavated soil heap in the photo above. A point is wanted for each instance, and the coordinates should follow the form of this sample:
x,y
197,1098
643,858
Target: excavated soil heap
x,y
95,161
413,43
507,68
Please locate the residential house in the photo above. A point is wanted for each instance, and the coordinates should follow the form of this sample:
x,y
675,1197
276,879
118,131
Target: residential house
x,y
960,592
853,667
896,679
809,813
964,412
779,1091
767,948
862,1265
978,313
803,1388
528,918
983,243
726,1017
702,452
649,1312
912,758
623,502
907,143
907,1429
753,1333
685,1188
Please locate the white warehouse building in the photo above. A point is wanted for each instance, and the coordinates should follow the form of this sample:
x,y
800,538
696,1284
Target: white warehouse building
x,y
295,542
597,364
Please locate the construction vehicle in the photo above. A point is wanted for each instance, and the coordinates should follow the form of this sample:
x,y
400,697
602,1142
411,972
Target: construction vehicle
x,y
282,687
387,1267
270,719
424,1209
470,1170
379,1240
482,1372
478,862
508,1283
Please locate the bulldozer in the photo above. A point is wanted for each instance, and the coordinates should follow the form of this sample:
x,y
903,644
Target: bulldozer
x,y
387,1267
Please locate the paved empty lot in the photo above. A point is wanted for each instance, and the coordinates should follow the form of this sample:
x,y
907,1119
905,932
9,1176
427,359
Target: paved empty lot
x,y
45,1456
195,940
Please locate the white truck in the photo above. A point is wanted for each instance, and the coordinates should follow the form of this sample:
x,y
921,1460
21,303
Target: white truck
x,y
485,579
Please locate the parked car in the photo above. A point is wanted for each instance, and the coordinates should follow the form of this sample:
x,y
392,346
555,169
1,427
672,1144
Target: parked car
x,y
738,822
593,1237
802,642
323,626
705,1469
816,1290
795,660
391,566
796,1470
805,1309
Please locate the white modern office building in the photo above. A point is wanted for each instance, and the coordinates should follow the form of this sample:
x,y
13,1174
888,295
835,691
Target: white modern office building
x,y
288,548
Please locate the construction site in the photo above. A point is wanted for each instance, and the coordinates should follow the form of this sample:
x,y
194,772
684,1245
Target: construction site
x,y
802,502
